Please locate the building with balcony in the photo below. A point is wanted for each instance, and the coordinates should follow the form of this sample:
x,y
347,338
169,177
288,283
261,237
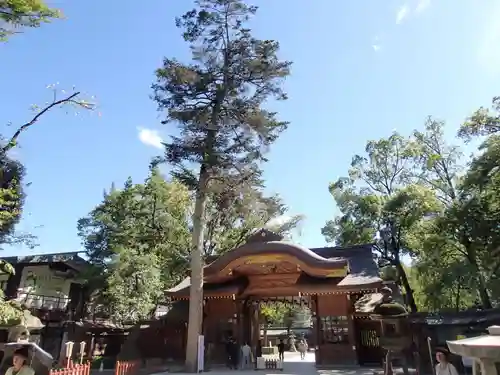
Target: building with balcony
x,y
51,286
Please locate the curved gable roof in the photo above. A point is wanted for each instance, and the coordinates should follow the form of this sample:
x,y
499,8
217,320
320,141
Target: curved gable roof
x,y
303,254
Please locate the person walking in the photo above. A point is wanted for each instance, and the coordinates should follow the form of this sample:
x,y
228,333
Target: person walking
x,y
302,349
258,352
246,356
229,352
281,350
235,354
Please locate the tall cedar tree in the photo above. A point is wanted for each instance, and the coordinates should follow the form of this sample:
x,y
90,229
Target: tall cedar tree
x,y
236,208
216,101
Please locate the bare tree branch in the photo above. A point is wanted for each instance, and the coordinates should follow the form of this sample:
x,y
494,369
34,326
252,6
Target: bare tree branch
x,y
71,99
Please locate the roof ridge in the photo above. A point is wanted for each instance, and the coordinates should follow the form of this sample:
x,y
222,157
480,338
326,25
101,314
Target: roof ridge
x,y
366,246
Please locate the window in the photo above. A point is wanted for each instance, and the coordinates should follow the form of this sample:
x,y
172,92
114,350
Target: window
x,y
334,330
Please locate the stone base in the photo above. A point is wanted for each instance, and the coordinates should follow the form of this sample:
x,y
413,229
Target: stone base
x,y
269,350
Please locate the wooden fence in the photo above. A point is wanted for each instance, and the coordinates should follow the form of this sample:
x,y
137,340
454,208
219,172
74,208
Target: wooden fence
x,y
127,367
121,368
72,369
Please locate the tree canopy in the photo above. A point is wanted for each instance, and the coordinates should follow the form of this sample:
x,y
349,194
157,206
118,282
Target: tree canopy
x,y
138,239
18,14
417,199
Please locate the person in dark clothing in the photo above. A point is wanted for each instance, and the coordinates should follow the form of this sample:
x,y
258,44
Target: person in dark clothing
x,y
235,354
281,350
258,351
229,352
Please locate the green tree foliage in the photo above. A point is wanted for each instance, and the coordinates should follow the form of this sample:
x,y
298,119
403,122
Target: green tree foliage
x,y
483,122
479,210
10,311
415,197
280,313
11,198
236,208
217,103
18,14
380,202
449,260
138,239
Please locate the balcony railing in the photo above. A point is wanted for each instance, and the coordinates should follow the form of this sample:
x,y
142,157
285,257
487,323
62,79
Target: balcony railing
x,y
37,301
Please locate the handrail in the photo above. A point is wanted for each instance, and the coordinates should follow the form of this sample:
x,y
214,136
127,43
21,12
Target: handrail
x,y
38,301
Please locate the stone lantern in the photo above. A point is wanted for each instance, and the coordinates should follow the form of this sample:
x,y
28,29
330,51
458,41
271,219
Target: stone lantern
x,y
395,335
485,350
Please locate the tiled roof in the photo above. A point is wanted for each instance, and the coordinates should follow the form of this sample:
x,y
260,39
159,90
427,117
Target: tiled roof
x,y
363,269
72,259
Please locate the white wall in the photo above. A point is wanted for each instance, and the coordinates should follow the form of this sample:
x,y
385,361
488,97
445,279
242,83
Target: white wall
x,y
41,287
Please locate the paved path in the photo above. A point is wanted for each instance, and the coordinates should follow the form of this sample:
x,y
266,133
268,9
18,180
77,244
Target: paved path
x,y
293,366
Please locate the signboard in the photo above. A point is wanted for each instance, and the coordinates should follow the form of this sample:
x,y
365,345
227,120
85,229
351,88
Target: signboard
x,y
201,353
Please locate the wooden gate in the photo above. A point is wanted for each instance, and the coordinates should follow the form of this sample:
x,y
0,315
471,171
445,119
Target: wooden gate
x,y
368,346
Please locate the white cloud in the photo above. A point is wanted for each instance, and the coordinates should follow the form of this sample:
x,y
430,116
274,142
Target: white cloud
x,y
422,5
406,11
150,137
376,43
402,13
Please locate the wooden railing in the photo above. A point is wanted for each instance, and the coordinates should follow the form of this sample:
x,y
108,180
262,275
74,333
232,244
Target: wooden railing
x,y
127,367
38,301
73,369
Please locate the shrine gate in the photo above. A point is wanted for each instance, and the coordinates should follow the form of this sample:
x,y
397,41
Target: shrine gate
x,y
329,280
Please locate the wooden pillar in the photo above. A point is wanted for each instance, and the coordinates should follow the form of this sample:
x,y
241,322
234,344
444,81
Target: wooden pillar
x,y
239,322
317,324
255,314
235,321
204,315
351,326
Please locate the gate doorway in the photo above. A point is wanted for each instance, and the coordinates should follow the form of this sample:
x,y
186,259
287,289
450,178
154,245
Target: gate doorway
x,y
270,320
369,350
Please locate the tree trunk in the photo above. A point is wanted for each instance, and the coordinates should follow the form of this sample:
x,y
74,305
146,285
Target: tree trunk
x,y
196,288
457,297
482,290
265,333
406,284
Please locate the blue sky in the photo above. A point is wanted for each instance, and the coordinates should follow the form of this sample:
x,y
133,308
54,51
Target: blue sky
x,y
361,69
